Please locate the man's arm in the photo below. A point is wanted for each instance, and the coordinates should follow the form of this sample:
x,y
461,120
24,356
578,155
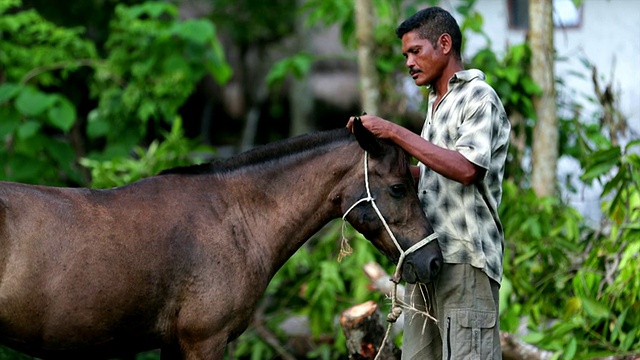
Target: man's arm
x,y
448,163
415,172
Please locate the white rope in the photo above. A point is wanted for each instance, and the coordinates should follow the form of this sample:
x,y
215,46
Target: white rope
x,y
395,310
371,199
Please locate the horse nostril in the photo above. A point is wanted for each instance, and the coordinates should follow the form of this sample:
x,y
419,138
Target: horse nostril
x,y
435,266
409,273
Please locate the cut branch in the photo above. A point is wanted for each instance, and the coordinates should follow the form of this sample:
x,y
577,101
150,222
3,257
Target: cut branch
x,y
364,330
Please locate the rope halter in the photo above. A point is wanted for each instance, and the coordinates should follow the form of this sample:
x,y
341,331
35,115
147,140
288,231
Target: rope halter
x,y
396,309
371,199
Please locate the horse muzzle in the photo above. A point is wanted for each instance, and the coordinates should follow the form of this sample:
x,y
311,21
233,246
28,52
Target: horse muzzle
x,y
423,265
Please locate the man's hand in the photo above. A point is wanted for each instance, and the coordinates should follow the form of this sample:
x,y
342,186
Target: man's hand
x,y
380,127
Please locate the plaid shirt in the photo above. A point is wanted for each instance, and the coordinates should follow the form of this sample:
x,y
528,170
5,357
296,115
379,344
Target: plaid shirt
x,y
471,120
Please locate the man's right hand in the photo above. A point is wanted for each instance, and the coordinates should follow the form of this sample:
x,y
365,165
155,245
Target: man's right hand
x,y
380,127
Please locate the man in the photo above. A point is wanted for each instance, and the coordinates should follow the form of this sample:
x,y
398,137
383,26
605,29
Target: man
x,y
462,152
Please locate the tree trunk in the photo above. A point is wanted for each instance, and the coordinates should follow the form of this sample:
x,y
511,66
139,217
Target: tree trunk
x,y
300,94
369,83
545,137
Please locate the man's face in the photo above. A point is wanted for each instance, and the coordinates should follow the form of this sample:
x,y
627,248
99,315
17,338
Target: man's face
x,y
425,62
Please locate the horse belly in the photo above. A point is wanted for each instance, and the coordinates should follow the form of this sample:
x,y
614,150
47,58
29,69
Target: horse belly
x,y
72,322
87,301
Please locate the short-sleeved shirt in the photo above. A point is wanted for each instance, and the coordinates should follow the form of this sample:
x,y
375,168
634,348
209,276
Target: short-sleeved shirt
x,y
469,119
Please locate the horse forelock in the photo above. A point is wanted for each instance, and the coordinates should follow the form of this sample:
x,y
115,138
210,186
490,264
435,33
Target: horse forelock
x,y
269,153
404,159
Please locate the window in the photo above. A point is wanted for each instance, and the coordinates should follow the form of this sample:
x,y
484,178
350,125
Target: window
x,y
565,14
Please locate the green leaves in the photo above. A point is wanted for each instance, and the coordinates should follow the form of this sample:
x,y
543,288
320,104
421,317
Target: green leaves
x,y
54,109
298,65
37,108
31,102
581,281
62,114
600,163
197,31
173,151
153,62
31,44
8,91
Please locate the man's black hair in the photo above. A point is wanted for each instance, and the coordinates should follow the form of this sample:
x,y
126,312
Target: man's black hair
x,y
430,23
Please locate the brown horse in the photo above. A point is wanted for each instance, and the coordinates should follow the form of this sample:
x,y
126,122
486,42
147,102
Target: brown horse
x,y
180,260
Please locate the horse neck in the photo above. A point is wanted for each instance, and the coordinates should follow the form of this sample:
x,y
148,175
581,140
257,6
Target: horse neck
x,y
290,200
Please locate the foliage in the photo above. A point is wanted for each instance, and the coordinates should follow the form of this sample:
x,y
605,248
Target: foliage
x,y
540,237
32,45
31,48
255,22
174,150
341,13
577,289
606,286
153,63
10,354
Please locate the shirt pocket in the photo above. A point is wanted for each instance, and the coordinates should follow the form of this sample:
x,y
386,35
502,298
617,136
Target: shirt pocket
x,y
470,334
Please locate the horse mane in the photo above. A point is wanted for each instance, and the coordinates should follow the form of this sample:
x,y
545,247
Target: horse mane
x,y
267,153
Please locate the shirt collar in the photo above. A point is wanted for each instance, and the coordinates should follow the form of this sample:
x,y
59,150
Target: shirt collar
x,y
462,76
467,75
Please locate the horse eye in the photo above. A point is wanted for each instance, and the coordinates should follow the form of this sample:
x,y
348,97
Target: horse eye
x,y
398,190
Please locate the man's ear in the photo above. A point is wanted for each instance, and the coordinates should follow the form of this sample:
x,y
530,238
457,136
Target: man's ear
x,y
366,139
446,43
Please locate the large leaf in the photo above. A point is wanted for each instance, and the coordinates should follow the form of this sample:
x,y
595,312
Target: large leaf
x,y
10,120
62,114
199,31
601,162
8,91
595,309
32,102
28,129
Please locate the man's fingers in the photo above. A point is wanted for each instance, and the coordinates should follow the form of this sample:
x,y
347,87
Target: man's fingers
x,y
350,124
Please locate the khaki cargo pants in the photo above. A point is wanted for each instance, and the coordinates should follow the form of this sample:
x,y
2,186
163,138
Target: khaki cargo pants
x,y
465,303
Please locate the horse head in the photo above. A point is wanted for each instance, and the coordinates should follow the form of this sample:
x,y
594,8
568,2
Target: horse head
x,y
388,211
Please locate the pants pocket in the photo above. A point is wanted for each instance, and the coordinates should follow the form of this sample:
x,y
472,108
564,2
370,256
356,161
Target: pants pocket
x,y
470,334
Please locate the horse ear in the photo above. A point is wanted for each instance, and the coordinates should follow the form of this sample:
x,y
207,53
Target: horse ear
x,y
366,139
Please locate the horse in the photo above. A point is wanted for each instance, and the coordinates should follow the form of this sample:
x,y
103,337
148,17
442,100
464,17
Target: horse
x,y
179,261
